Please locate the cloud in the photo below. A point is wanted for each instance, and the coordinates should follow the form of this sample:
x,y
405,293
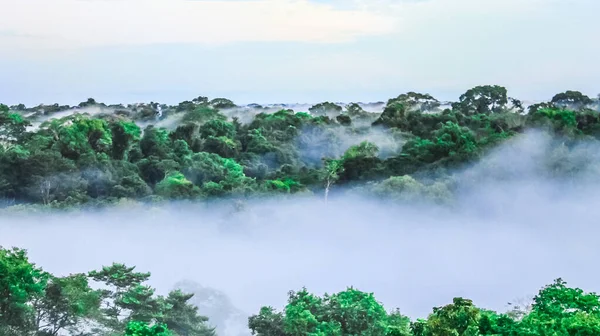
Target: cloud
x,y
89,23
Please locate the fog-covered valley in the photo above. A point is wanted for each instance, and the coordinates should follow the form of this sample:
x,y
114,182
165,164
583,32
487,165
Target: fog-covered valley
x,y
510,232
418,201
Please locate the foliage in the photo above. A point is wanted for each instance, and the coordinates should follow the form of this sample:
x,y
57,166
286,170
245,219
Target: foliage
x,y
55,156
137,328
34,302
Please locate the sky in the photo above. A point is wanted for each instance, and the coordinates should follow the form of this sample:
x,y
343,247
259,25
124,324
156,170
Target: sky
x,y
293,51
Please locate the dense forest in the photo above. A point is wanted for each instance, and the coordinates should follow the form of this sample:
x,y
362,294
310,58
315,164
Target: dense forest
x,y
93,154
115,300
410,148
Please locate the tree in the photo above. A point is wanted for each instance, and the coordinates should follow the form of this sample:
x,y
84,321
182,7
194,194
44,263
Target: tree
x,y
358,313
208,167
353,110
571,99
155,142
332,171
394,115
558,309
325,108
65,303
125,296
460,318
136,328
268,322
482,100
12,125
176,186
181,317
124,135
350,312
20,282
202,114
222,103
416,101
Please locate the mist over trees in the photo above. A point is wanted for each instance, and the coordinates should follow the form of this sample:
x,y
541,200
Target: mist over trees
x,y
94,154
413,149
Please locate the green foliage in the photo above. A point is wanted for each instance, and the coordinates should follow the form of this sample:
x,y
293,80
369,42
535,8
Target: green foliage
x,y
81,158
407,189
136,328
451,142
364,149
33,302
217,128
202,114
482,100
66,304
204,168
571,99
350,312
176,186
129,303
459,318
20,282
324,109
286,186
125,134
12,125
221,103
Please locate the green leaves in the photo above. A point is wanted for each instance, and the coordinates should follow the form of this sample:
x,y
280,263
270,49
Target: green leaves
x,y
482,100
132,306
176,186
350,312
20,282
12,125
66,303
136,328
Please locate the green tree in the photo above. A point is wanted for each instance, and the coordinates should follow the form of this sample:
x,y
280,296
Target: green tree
x,y
571,99
268,322
482,100
124,297
20,282
176,186
325,108
181,317
331,174
136,328
12,125
222,103
460,318
65,304
124,135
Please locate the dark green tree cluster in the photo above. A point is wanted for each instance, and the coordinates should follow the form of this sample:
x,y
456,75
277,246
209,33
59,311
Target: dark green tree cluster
x,y
95,153
35,302
557,310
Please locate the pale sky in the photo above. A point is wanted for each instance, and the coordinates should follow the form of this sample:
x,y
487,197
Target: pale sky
x,y
271,51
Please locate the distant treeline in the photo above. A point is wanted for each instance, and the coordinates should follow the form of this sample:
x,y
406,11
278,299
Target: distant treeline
x,y
37,303
95,154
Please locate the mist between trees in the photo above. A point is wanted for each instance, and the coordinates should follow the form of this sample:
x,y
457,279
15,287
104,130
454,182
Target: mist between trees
x,y
424,203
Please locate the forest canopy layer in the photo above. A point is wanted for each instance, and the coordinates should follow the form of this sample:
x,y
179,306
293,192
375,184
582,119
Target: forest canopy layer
x,y
408,148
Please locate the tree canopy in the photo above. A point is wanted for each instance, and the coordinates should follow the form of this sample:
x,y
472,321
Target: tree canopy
x,y
61,156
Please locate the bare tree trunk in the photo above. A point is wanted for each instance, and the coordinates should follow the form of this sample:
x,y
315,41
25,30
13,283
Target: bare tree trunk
x,y
45,186
327,190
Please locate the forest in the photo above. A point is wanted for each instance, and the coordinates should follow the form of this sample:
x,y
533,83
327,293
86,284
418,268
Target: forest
x,y
94,155
411,149
115,300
